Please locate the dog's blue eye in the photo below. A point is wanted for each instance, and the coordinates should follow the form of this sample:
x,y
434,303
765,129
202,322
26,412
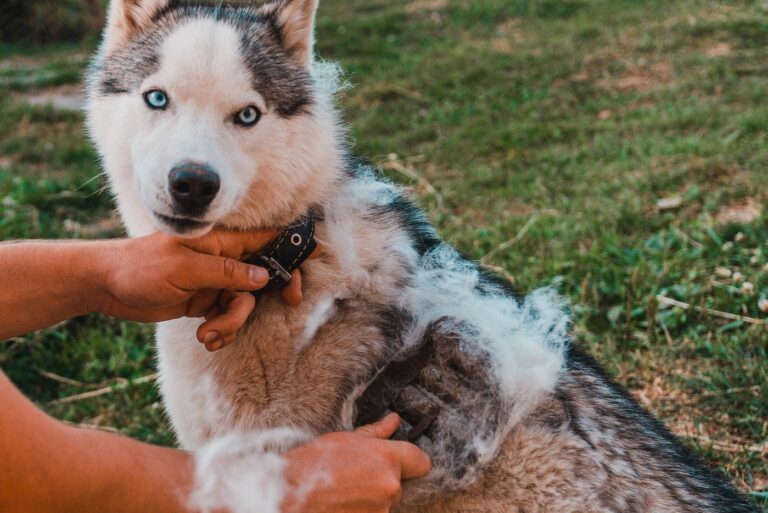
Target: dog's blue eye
x,y
156,99
249,116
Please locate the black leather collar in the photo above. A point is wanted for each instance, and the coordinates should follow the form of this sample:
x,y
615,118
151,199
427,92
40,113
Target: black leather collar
x,y
287,252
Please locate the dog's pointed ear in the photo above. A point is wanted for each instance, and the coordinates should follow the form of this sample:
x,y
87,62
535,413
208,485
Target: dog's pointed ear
x,y
296,21
128,17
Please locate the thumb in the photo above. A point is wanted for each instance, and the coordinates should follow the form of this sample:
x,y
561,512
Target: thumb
x,y
213,272
384,428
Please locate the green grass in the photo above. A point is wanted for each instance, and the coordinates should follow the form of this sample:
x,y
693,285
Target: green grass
x,y
557,125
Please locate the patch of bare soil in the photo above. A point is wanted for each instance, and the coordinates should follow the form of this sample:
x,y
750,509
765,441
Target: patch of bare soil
x,y
508,35
426,5
743,212
23,62
642,78
6,161
68,97
638,77
718,50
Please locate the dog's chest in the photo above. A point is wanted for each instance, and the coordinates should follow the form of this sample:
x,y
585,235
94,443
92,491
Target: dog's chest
x,y
291,365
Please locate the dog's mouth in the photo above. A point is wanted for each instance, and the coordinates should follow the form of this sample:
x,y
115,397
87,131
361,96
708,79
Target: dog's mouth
x,y
183,224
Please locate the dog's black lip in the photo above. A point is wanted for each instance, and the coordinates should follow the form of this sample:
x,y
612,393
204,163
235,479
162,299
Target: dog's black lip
x,y
182,224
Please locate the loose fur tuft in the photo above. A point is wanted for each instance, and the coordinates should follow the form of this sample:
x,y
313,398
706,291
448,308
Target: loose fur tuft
x,y
243,472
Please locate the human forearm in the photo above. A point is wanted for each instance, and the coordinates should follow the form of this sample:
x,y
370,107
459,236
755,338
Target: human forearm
x,y
50,467
47,282
149,279
118,474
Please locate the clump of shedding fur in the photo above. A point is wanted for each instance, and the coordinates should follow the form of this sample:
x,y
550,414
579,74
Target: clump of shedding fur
x,y
329,78
242,472
512,350
526,340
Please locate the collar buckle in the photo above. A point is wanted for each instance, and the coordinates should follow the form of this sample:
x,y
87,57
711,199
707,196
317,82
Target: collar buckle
x,y
287,252
279,269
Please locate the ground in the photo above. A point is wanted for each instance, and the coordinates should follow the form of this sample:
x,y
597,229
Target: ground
x,y
615,150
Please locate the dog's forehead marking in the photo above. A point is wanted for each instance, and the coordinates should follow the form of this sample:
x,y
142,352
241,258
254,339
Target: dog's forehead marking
x,y
285,85
201,61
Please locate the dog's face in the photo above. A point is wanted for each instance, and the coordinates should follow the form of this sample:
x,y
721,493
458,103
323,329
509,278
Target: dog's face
x,y
209,116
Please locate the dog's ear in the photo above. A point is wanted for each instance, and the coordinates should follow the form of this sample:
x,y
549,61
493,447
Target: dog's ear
x,y
128,17
296,21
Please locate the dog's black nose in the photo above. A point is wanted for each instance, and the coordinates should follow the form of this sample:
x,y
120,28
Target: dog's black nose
x,y
193,186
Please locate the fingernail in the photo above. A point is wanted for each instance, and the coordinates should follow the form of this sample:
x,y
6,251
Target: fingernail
x,y
258,275
210,337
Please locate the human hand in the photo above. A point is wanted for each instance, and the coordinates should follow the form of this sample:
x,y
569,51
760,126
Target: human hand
x,y
359,472
159,277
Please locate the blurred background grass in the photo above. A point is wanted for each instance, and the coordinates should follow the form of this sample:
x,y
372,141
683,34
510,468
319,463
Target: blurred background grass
x,y
50,21
615,149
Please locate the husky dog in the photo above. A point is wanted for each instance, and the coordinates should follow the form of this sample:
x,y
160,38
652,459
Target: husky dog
x,y
218,115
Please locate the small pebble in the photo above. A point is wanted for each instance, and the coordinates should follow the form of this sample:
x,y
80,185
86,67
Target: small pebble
x,y
739,237
738,277
723,272
747,288
669,203
763,305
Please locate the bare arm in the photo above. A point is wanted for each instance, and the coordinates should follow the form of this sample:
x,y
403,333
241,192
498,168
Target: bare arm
x,y
149,279
43,283
48,467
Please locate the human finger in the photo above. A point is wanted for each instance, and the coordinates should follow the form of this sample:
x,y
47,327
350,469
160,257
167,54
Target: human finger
x,y
397,499
200,304
230,243
235,311
220,343
291,293
413,461
221,273
383,428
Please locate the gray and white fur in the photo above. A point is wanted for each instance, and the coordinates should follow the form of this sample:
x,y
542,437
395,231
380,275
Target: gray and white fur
x,y
528,422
